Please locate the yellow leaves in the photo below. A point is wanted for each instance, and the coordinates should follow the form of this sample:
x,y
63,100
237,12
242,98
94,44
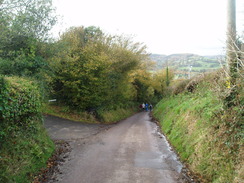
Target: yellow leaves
x,y
74,37
150,91
93,67
228,83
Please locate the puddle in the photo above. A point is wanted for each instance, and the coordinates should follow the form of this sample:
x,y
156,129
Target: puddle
x,y
168,152
169,156
151,160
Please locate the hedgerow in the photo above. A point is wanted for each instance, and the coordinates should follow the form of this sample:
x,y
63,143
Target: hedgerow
x,y
20,100
24,144
207,135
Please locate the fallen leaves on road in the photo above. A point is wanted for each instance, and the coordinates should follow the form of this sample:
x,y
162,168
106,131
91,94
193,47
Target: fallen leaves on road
x,y
62,151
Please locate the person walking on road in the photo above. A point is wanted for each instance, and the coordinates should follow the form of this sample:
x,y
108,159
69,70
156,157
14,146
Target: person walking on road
x,y
146,105
143,106
150,107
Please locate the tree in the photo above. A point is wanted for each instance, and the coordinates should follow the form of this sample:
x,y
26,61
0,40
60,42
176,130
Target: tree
x,y
142,82
24,26
93,69
32,18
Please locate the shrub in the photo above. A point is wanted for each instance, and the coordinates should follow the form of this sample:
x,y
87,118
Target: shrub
x,y
20,100
24,143
180,87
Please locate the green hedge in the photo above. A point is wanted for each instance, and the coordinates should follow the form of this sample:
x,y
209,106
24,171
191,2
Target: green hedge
x,y
19,100
24,143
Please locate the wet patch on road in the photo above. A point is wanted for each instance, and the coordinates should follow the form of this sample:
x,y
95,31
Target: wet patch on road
x,y
151,160
186,174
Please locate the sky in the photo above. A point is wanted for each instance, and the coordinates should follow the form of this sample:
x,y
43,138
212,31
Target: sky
x,y
164,26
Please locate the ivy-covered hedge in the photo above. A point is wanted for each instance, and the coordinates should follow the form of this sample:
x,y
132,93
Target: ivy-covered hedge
x,y
19,100
24,143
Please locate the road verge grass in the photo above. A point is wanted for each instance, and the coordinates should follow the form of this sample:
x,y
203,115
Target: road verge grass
x,y
66,113
24,153
207,137
106,116
116,115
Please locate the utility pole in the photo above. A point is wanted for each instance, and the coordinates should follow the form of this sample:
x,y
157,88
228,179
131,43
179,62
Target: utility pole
x,y
231,52
231,47
189,76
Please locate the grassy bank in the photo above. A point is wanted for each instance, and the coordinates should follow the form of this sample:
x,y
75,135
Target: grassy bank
x,y
207,136
100,116
24,144
66,113
116,115
24,153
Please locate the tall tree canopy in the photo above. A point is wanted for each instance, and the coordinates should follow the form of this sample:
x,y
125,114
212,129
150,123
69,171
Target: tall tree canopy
x,y
24,26
85,69
93,69
30,18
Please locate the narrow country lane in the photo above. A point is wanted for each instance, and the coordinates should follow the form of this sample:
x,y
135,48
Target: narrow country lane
x,y
131,151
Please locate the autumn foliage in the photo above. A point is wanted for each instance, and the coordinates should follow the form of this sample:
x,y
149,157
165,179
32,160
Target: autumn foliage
x,y
94,70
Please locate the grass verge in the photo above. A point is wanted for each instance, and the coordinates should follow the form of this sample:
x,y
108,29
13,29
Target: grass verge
x,y
116,115
204,134
24,153
101,116
66,113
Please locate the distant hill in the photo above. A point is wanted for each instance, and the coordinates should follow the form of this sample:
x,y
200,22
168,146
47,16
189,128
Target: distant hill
x,y
185,63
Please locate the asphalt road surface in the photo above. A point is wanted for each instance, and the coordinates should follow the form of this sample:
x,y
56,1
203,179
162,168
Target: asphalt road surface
x,y
131,151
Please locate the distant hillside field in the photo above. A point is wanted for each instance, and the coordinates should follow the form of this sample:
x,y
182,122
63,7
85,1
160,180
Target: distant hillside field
x,y
187,65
